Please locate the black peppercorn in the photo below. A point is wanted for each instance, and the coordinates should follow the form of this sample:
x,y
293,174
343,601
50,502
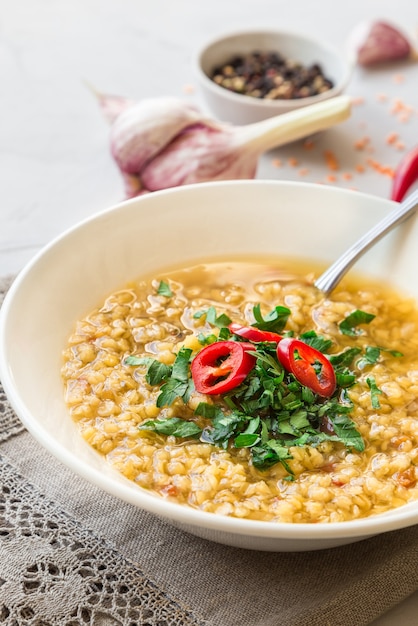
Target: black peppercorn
x,y
269,75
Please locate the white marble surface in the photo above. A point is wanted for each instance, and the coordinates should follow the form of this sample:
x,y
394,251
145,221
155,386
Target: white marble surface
x,y
55,165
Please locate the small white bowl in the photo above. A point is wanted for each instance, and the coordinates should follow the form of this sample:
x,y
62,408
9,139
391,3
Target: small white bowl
x,y
242,109
74,273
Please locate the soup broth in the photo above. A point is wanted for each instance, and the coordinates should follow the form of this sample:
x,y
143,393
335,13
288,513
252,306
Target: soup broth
x,y
305,462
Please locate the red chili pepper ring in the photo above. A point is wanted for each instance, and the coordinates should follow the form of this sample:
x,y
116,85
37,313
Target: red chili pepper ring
x,y
254,334
222,366
309,366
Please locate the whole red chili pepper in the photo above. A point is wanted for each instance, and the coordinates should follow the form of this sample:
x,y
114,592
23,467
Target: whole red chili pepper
x,y
254,334
222,366
309,366
405,175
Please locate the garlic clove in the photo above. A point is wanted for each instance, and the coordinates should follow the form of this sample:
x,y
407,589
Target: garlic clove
x,y
164,142
112,106
225,152
144,129
199,154
373,43
133,185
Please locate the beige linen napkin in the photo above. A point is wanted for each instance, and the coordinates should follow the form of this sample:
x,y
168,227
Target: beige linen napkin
x,y
71,554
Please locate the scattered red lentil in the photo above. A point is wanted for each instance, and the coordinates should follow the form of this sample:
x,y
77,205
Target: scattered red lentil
x,y
397,108
331,178
308,144
392,138
401,110
404,117
360,144
331,160
381,169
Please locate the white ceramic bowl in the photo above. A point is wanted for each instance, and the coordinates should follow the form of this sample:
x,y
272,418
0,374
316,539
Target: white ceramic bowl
x,y
241,109
76,271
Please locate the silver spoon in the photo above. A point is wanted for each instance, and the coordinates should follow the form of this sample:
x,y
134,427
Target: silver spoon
x,y
332,276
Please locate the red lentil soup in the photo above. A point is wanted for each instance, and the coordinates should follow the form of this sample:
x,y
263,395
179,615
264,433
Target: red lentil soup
x,y
269,448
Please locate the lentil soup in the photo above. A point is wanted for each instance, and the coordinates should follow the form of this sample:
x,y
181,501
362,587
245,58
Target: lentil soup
x,y
136,403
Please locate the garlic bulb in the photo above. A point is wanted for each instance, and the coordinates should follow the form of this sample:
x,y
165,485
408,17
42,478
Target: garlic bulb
x,y
164,142
372,43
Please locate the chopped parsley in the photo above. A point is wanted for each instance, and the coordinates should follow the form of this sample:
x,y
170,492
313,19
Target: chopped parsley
x,y
374,392
175,380
164,289
138,360
270,411
372,355
349,326
174,426
274,321
212,318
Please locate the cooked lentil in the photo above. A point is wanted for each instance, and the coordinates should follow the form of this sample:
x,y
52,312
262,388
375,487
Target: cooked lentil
x,y
109,399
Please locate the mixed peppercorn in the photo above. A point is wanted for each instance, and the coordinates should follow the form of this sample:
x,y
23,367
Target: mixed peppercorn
x,y
271,76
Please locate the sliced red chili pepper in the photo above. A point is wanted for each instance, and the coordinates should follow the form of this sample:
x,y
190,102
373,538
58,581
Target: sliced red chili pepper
x,y
222,366
254,334
309,366
405,175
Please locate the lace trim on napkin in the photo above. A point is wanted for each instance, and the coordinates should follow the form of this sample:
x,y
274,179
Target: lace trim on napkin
x,y
9,422
54,572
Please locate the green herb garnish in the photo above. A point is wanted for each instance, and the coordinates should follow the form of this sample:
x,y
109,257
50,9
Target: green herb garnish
x,y
174,426
370,357
180,383
157,373
175,380
164,289
212,318
138,360
374,392
205,340
270,412
346,432
372,354
349,326
316,341
274,321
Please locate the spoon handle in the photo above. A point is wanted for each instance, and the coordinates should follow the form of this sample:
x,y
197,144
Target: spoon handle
x,y
332,276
